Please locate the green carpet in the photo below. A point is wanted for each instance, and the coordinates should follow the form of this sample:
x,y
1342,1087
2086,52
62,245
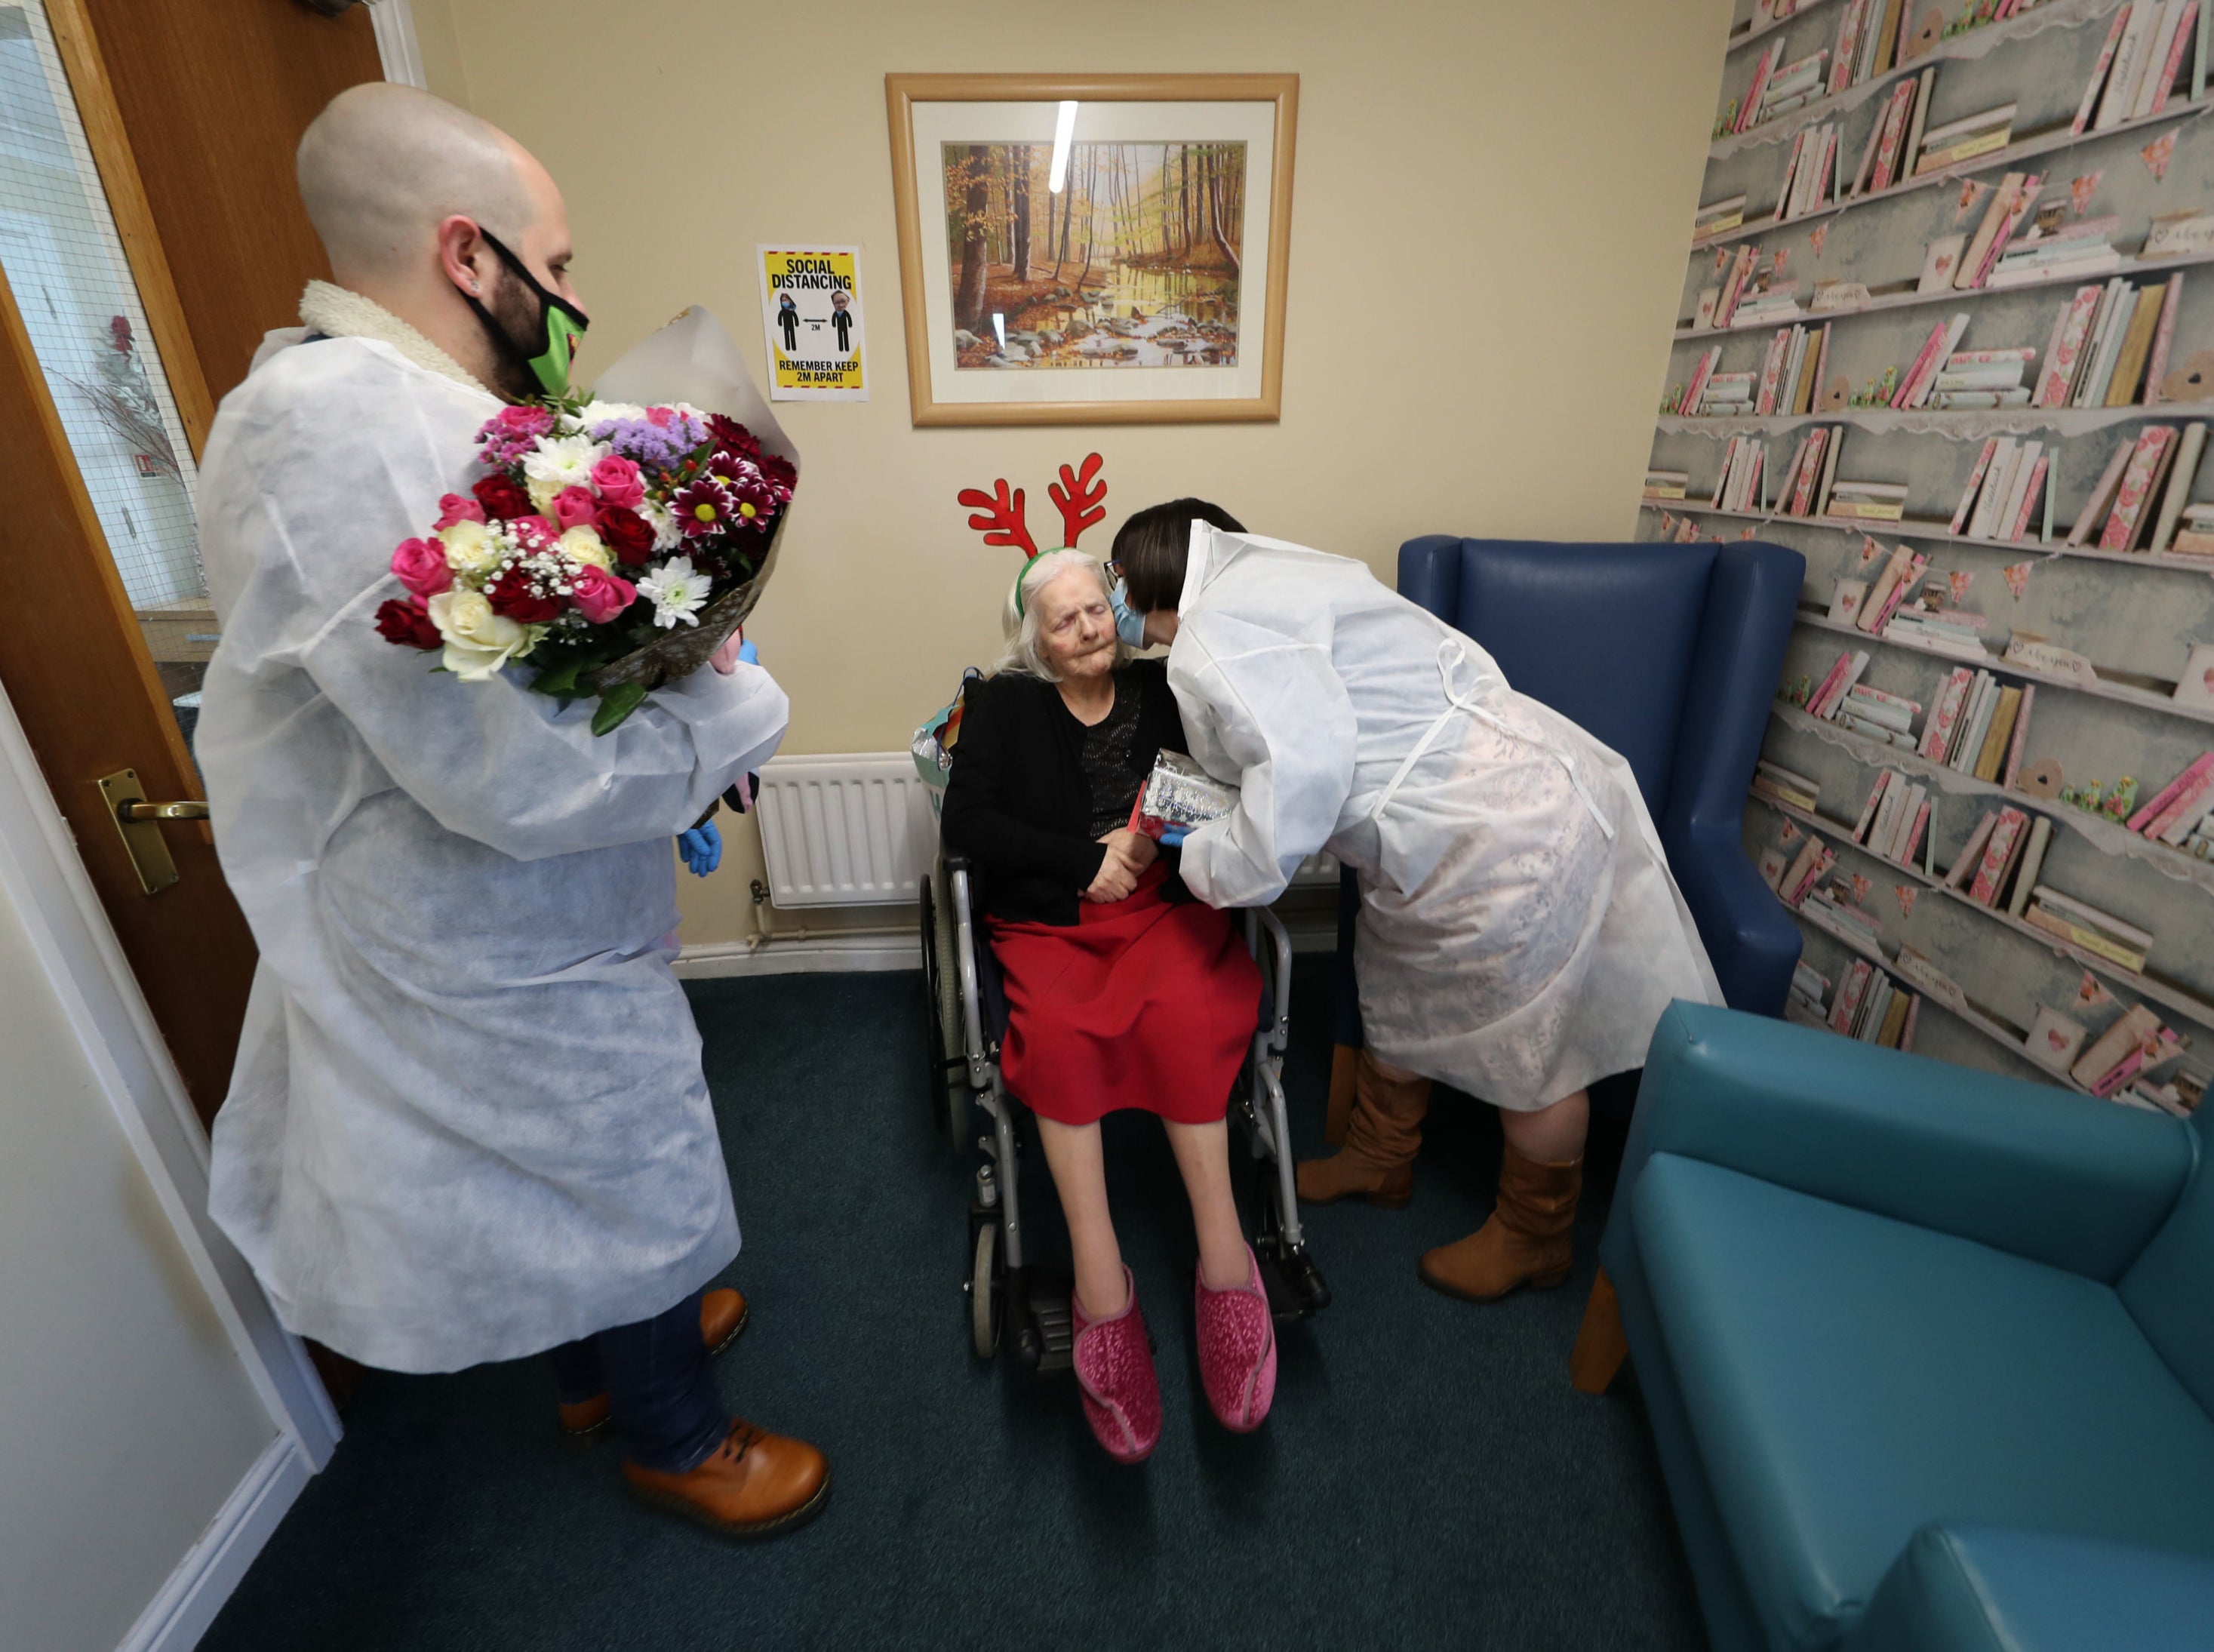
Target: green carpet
x,y
1428,1479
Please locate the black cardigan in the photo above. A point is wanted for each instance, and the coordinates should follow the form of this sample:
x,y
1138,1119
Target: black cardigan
x,y
1017,802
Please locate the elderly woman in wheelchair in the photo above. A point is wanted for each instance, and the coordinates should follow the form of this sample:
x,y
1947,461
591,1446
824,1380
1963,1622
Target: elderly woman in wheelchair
x,y
1121,990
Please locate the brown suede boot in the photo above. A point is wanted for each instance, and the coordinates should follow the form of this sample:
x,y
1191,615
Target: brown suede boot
x,y
1526,1242
1378,1159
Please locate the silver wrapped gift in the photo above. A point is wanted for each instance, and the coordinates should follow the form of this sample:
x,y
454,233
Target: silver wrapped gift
x,y
1179,794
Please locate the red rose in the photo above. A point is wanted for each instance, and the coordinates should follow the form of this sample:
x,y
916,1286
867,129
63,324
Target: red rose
x,y
407,623
510,595
628,534
503,499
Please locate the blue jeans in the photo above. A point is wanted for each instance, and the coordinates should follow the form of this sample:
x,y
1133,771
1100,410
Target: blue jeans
x,y
658,1376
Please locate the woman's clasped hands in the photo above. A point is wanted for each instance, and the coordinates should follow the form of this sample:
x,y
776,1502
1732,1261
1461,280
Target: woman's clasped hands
x,y
1129,854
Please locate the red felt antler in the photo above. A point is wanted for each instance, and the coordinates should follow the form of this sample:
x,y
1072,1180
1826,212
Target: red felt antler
x,y
998,517
1078,500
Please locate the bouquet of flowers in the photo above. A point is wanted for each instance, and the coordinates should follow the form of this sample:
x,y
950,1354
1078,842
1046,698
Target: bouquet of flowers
x,y
611,546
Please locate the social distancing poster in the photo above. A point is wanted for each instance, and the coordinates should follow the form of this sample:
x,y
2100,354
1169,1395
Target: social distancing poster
x,y
811,316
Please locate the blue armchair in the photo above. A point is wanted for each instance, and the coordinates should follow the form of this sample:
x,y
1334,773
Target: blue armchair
x,y
1927,1351
1669,654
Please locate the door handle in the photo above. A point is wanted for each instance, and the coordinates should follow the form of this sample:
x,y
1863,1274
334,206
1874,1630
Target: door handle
x,y
138,822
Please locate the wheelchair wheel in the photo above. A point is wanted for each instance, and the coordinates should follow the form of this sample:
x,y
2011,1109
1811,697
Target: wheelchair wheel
x,y
941,988
984,1292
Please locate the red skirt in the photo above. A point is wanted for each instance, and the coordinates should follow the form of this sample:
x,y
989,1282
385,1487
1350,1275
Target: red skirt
x,y
1145,1003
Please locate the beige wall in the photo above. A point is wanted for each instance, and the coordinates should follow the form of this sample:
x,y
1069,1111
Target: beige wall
x,y
1490,209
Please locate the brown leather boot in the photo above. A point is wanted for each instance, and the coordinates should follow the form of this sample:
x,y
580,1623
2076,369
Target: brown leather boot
x,y
1527,1241
1378,1159
753,1484
723,1315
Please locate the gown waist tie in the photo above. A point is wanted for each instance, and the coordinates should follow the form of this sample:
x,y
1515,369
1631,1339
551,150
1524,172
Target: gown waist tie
x,y
1451,657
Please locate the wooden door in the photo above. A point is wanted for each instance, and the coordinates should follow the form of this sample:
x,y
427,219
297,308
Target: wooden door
x,y
106,366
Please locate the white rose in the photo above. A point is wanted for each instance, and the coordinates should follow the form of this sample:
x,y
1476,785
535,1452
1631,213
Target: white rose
x,y
542,493
582,545
479,642
470,547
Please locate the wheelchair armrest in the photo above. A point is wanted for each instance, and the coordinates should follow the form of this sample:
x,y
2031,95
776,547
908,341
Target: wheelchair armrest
x,y
1279,1011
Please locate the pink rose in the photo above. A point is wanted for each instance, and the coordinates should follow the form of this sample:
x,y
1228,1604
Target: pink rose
x,y
659,416
619,482
599,595
524,421
575,507
420,565
458,507
535,532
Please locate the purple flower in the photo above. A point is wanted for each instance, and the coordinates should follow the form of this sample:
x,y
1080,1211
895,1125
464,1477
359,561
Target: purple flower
x,y
653,447
512,432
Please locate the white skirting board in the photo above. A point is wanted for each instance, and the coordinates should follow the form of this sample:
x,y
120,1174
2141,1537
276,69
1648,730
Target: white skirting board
x,y
175,1618
814,955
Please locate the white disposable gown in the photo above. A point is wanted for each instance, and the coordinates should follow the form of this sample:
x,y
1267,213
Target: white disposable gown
x,y
467,1120
1519,933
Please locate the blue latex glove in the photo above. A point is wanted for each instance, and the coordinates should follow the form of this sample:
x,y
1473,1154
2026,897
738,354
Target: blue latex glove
x,y
701,847
1172,838
749,653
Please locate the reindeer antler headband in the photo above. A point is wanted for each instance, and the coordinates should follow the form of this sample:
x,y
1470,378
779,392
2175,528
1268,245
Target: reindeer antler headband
x,y
998,516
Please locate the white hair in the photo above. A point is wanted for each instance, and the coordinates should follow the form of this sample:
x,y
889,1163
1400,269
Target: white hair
x,y
1020,621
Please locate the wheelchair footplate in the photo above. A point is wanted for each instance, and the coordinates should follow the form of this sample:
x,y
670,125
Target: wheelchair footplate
x,y
1295,1286
1045,1332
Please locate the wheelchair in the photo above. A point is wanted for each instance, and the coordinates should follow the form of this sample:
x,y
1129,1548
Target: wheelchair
x,y
967,1023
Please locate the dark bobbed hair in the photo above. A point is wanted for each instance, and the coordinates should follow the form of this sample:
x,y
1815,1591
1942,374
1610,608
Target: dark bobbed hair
x,y
1151,549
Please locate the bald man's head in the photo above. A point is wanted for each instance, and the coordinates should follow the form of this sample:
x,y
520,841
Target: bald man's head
x,y
409,194
385,165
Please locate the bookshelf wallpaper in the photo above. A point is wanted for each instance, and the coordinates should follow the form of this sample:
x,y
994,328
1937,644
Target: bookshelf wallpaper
x,y
1835,230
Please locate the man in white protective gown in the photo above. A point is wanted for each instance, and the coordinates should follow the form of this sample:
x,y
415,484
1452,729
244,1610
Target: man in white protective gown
x,y
467,1121
1520,933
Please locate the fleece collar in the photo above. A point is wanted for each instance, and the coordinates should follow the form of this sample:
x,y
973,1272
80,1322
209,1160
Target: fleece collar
x,y
338,313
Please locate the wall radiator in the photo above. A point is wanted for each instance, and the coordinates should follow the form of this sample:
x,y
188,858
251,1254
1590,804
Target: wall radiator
x,y
859,830
851,830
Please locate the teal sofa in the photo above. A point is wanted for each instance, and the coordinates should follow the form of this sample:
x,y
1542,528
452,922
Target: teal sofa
x,y
1928,1353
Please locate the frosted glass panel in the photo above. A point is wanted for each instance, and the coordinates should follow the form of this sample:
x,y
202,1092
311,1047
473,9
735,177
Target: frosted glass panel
x,y
66,266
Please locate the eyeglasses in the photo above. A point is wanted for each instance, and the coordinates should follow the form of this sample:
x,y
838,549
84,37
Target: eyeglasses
x,y
1114,571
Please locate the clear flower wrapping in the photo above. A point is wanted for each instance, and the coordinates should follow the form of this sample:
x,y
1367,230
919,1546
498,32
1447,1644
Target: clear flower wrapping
x,y
1179,794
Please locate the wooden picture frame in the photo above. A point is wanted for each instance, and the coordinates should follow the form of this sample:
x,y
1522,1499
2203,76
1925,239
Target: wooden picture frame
x,y
1187,177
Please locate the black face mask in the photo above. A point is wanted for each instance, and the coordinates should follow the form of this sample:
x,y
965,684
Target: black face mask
x,y
545,356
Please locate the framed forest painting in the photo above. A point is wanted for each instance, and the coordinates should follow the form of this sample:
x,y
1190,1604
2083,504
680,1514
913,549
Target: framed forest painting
x,y
1094,248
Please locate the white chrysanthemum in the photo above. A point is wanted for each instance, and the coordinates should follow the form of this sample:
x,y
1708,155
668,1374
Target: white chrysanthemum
x,y
598,412
667,535
677,590
559,462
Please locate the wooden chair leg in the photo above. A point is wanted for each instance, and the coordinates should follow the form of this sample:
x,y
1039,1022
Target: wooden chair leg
x,y
1341,1062
1600,1346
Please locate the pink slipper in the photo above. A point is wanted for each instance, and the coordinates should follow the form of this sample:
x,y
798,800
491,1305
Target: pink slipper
x,y
1115,1370
1236,1349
